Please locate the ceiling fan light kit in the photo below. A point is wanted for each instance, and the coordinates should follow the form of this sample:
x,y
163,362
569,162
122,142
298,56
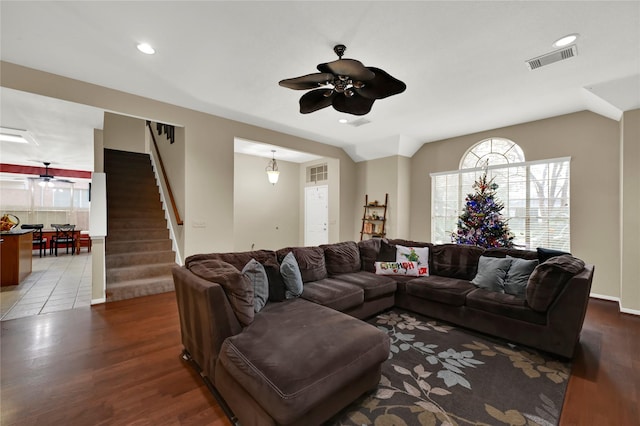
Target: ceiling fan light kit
x,y
345,84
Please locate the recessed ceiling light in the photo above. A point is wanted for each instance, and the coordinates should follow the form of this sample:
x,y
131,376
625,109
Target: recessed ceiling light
x,y
343,121
566,40
146,48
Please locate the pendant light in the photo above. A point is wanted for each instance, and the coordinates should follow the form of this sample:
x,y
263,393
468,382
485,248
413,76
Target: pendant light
x,y
272,169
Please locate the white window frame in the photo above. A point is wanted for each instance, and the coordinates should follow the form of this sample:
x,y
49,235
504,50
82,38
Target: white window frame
x,y
549,227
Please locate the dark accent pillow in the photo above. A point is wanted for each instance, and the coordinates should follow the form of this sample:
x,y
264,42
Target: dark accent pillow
x,y
545,254
549,278
341,258
255,272
291,276
276,285
491,274
237,287
513,252
310,262
387,252
518,276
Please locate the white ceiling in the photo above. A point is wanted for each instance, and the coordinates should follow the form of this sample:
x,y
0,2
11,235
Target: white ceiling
x,y
463,62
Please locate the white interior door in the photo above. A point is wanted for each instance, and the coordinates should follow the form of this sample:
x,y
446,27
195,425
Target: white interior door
x,y
316,215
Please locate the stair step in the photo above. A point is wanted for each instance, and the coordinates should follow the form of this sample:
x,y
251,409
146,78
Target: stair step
x,y
138,288
138,234
137,213
128,273
117,247
131,259
136,223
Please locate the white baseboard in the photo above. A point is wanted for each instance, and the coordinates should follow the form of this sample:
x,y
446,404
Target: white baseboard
x,y
98,301
629,311
615,299
603,297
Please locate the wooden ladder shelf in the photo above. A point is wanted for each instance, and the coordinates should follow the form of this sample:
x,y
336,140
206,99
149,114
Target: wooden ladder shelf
x,y
374,218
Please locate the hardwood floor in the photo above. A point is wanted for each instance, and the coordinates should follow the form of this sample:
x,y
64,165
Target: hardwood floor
x,y
119,364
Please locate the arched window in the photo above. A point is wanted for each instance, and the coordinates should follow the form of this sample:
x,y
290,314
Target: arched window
x,y
535,194
493,152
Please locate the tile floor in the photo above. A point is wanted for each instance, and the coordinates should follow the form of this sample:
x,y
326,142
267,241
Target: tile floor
x,y
55,284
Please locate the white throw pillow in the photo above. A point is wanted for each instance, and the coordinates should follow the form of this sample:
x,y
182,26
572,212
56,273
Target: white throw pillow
x,y
397,268
420,255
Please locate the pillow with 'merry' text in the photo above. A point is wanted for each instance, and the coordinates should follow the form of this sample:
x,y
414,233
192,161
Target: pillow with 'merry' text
x,y
397,268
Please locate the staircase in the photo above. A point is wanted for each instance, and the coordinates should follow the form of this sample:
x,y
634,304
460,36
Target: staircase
x,y
138,251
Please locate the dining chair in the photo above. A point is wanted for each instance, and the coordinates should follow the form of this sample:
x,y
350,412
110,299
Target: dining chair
x,y
65,235
38,238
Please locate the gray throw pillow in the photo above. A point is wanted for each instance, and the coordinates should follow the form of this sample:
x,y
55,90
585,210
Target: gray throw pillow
x,y
518,276
255,273
491,273
291,276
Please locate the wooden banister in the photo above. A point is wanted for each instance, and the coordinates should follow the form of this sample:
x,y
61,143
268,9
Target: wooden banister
x,y
166,180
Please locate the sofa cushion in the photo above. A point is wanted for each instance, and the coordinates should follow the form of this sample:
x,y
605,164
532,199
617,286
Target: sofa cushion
x,y
374,286
291,366
276,284
341,258
256,274
369,250
504,305
451,291
549,278
237,259
513,252
237,287
310,261
333,293
455,260
518,276
492,272
291,276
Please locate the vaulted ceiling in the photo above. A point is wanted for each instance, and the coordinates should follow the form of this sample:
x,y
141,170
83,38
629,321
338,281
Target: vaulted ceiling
x,y
463,62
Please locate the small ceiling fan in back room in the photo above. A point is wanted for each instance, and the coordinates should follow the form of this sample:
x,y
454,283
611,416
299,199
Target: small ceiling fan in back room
x,y
346,84
48,179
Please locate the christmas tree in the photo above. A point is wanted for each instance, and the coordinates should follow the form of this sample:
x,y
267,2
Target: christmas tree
x,y
481,223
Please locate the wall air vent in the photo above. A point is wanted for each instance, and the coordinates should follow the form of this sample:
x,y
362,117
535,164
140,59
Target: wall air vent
x,y
549,58
359,122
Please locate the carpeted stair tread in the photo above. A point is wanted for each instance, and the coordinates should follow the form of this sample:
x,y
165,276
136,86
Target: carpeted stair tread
x,y
138,250
139,288
121,260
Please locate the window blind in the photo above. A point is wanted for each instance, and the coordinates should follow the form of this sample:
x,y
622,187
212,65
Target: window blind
x,y
536,197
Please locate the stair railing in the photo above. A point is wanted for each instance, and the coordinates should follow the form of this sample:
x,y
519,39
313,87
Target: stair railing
x,y
179,220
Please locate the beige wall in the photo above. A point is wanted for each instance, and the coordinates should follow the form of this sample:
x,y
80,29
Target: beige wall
x,y
389,175
123,133
630,209
265,215
591,141
208,169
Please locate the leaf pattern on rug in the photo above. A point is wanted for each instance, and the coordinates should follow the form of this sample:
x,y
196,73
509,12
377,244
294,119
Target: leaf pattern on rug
x,y
437,374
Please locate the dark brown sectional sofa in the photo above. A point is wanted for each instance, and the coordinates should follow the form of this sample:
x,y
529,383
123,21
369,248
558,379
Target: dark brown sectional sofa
x,y
302,360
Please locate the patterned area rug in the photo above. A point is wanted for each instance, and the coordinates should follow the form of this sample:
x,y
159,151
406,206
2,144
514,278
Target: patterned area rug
x,y
437,374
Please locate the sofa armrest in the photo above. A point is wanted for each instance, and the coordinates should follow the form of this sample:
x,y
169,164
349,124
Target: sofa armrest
x,y
567,312
206,317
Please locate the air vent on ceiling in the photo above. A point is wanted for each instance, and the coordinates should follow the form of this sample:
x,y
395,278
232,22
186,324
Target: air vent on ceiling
x,y
549,58
359,122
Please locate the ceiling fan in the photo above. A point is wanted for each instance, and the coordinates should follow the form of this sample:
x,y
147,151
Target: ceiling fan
x,y
346,84
47,179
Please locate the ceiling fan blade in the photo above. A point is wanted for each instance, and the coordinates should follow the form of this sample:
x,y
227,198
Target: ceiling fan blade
x,y
356,105
309,81
316,100
350,67
382,86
